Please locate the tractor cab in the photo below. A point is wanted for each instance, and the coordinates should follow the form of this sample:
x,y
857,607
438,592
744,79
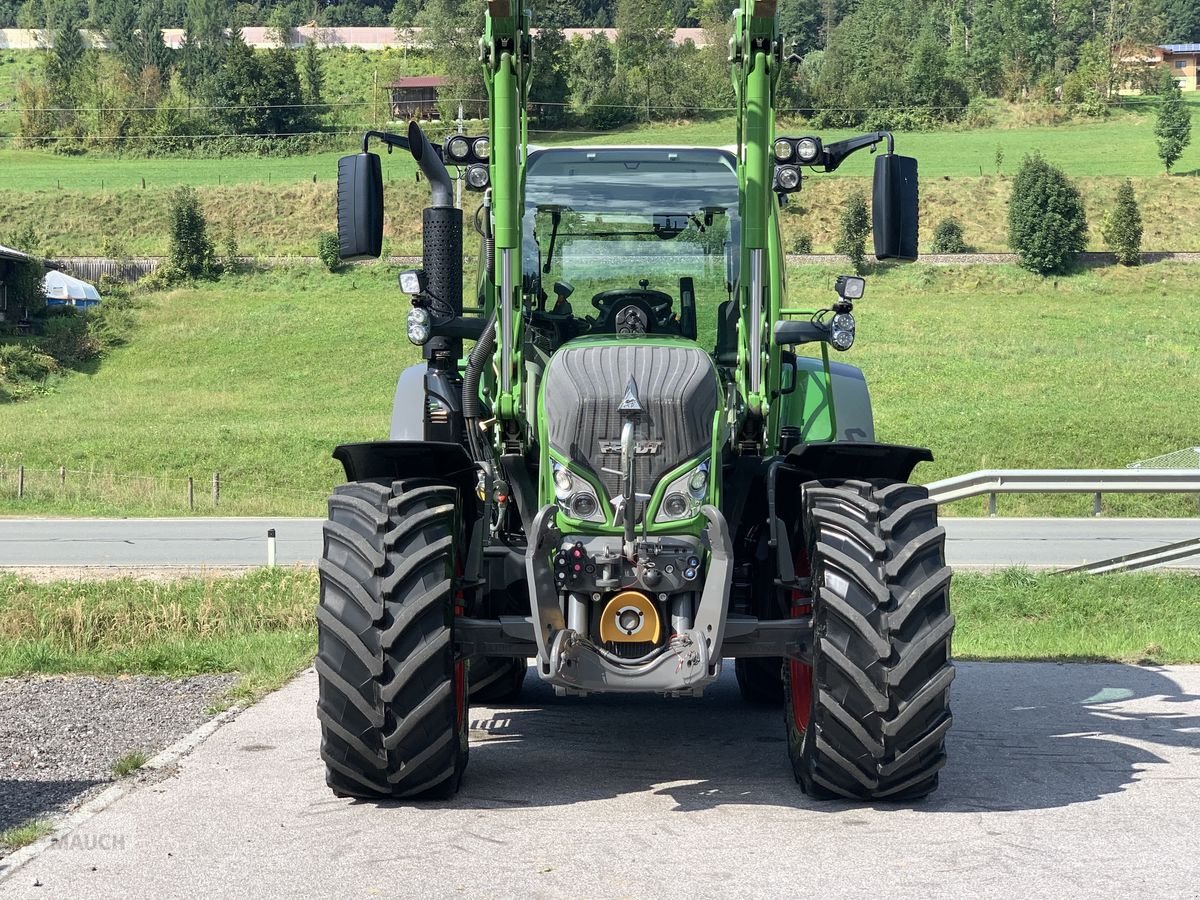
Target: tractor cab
x,y
628,241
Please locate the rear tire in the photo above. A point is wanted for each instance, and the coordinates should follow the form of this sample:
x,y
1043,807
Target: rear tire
x,y
497,679
868,720
760,679
393,698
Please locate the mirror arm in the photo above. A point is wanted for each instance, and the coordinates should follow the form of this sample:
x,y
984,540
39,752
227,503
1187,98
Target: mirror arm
x,y
836,153
386,137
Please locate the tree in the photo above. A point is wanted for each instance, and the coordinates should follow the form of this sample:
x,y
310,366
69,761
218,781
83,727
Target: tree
x,y
644,29
1123,227
1173,130
1046,222
191,251
314,76
548,87
853,228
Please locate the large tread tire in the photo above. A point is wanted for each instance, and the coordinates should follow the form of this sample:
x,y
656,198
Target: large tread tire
x,y
760,679
878,700
497,679
393,697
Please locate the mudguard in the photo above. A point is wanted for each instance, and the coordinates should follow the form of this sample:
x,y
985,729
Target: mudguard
x,y
857,460
409,459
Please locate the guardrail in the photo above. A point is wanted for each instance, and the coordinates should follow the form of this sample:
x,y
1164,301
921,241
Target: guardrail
x,y
1064,481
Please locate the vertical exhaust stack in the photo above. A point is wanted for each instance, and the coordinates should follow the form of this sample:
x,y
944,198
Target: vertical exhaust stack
x,y
441,247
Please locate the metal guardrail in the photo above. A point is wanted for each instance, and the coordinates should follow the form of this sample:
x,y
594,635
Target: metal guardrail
x,y
1142,559
1064,481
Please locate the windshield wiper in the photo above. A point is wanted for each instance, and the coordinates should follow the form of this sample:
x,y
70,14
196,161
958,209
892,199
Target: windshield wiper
x,y
555,220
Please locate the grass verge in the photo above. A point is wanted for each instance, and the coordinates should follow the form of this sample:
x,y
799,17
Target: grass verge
x,y
1020,615
261,626
22,835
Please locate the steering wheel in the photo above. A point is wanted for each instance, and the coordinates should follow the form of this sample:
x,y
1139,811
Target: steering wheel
x,y
633,311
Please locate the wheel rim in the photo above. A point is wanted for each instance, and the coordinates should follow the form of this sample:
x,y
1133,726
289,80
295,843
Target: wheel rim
x,y
801,674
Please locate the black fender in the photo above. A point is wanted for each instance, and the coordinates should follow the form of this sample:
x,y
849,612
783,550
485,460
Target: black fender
x,y
847,459
411,459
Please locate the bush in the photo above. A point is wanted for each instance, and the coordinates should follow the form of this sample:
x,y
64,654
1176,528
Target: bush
x,y
23,371
853,228
1046,222
948,237
327,249
191,254
802,243
1122,227
68,340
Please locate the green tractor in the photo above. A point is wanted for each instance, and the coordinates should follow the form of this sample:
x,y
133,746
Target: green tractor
x,y
636,472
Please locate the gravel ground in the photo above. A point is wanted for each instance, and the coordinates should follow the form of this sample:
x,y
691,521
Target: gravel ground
x,y
60,735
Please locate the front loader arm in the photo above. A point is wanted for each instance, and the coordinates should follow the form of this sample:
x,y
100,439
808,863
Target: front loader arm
x,y
504,51
756,55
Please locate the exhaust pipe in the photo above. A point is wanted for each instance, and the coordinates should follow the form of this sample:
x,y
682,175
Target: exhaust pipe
x,y
435,170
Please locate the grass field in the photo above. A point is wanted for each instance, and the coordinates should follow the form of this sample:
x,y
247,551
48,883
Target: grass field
x,y
260,376
263,626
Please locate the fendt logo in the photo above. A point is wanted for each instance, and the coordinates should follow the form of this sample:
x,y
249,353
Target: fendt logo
x,y
641,448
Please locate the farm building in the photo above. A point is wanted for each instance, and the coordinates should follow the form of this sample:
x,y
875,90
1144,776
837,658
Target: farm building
x,y
10,310
1183,61
415,96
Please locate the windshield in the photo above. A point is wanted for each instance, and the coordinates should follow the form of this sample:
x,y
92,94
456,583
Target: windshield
x,y
616,219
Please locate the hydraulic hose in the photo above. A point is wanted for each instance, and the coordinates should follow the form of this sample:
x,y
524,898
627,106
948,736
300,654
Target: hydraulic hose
x,y
439,179
480,353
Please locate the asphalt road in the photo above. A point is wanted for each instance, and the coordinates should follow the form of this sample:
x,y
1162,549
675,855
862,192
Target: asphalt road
x,y
1064,781
242,542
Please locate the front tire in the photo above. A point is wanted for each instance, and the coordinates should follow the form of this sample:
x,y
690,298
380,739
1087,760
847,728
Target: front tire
x,y
393,698
868,719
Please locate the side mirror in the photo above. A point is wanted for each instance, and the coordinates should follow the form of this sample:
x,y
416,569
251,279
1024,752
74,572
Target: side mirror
x,y
360,206
894,207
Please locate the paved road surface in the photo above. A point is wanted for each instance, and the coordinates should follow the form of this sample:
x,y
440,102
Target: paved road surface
x,y
242,542
1064,781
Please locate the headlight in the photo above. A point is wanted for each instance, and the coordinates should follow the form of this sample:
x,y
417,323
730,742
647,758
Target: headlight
x,y
575,495
684,496
783,150
418,326
482,148
807,149
841,331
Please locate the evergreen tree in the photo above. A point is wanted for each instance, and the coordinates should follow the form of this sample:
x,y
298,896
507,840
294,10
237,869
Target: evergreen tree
x,y
1123,227
1046,222
1173,130
853,228
314,77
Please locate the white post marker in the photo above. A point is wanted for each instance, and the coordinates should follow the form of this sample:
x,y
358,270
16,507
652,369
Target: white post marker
x,y
270,548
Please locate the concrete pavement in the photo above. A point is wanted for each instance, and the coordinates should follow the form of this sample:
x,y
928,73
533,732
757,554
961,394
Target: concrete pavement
x,y
220,542
1064,781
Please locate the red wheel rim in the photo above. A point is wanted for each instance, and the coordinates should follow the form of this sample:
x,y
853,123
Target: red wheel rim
x,y
801,674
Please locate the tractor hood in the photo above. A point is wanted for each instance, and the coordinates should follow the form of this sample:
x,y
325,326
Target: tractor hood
x,y
585,384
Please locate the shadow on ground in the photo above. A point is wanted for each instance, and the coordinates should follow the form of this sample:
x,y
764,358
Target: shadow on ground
x,y
25,801
1026,736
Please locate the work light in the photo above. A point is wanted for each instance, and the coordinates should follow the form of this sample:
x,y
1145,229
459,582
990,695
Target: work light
x,y
808,149
482,148
418,326
477,177
413,281
459,149
783,150
841,331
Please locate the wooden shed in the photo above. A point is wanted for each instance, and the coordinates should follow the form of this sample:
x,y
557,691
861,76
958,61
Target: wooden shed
x,y
415,96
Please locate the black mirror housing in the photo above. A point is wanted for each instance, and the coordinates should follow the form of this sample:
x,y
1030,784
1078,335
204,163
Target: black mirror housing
x,y
894,207
360,206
